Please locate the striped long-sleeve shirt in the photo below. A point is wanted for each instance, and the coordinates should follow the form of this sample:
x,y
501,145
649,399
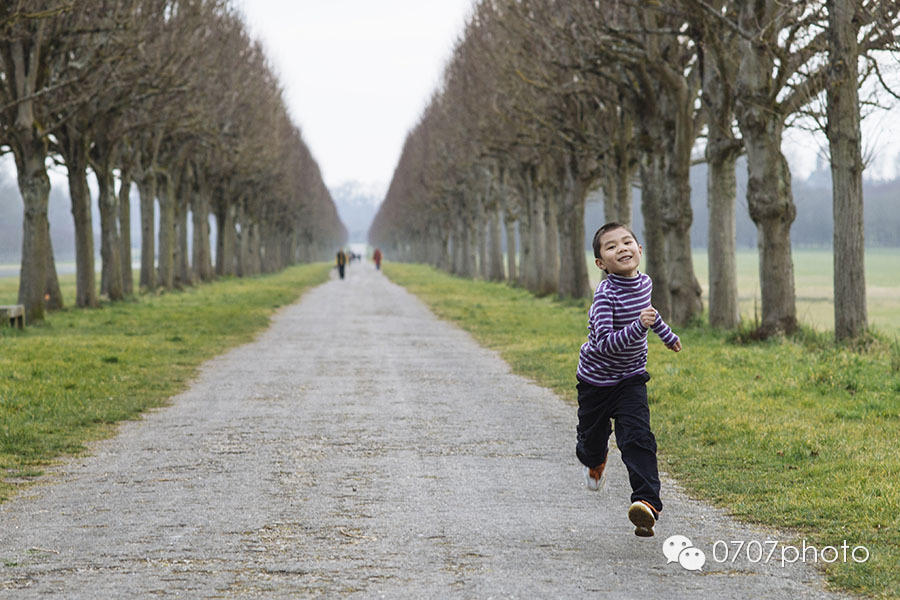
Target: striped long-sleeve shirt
x,y
617,340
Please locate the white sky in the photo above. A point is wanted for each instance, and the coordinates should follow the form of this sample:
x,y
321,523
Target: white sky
x,y
880,128
356,73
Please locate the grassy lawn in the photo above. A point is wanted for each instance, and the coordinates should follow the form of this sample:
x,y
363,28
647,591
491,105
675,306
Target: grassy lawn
x,y
795,433
67,380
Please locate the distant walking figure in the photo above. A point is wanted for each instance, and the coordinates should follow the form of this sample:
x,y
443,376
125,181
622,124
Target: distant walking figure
x,y
377,258
341,262
612,374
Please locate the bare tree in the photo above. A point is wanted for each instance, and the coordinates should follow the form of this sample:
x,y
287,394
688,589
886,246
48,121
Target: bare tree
x,y
777,75
844,139
662,60
719,57
29,53
156,91
855,28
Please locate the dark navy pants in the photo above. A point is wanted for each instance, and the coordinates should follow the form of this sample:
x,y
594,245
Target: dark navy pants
x,y
626,404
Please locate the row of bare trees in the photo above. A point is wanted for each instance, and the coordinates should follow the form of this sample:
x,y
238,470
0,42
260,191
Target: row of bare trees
x,y
174,97
545,100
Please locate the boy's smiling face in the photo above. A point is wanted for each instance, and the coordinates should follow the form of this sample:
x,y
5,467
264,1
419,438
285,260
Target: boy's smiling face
x,y
620,254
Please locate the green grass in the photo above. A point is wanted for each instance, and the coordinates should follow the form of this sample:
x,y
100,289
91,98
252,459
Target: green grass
x,y
69,379
813,280
9,286
795,433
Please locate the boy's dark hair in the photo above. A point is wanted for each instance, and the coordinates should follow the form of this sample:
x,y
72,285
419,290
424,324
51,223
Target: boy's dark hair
x,y
609,227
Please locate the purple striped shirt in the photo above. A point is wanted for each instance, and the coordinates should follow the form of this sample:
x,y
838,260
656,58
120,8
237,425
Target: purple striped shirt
x,y
617,340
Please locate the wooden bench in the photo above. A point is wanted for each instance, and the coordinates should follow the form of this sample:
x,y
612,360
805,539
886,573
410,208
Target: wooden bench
x,y
15,313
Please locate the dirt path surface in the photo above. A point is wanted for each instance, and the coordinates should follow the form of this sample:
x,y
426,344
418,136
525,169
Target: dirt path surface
x,y
360,448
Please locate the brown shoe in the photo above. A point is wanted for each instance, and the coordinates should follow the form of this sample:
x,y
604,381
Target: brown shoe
x,y
644,516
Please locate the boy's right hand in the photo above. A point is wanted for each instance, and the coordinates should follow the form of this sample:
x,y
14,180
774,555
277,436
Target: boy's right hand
x,y
648,317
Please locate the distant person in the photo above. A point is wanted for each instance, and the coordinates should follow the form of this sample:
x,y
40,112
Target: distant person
x,y
612,374
341,262
377,258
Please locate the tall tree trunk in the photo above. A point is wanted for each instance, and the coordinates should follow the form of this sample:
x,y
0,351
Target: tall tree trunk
x,y
183,275
772,210
111,269
271,249
80,195
769,198
480,228
537,231
496,245
146,163
184,191
252,245
624,197
652,182
166,194
550,272
243,240
545,283
511,253
34,186
125,231
526,266
445,256
573,276
721,194
850,314
626,165
231,246
225,238
722,150
610,206
530,263
279,244
685,290
293,250
433,246
200,247
52,294
456,246
255,249
38,284
147,188
468,244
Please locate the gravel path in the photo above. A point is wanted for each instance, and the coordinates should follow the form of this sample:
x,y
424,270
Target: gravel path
x,y
359,448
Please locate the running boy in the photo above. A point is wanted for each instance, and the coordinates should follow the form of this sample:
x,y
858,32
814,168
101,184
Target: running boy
x,y
612,374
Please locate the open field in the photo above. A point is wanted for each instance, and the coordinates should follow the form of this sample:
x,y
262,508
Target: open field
x,y
9,282
797,434
69,379
813,277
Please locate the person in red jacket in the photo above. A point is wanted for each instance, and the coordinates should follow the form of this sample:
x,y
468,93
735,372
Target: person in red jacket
x,y
377,258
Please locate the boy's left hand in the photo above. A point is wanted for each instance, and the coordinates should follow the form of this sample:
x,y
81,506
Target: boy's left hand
x,y
676,347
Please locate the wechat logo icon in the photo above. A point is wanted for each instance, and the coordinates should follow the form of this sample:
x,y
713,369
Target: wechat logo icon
x,y
680,549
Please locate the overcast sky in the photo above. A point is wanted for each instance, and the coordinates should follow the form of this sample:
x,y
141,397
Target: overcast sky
x,y
356,73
